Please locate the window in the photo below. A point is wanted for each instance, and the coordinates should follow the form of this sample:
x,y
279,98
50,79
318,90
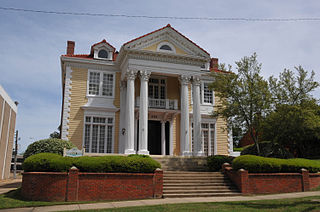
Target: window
x,y
208,135
157,88
98,134
166,47
103,54
100,84
207,96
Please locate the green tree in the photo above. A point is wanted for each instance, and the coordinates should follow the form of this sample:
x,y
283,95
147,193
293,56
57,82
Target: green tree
x,y
245,97
296,127
292,89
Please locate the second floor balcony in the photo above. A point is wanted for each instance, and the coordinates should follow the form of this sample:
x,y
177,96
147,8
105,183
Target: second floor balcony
x,y
168,104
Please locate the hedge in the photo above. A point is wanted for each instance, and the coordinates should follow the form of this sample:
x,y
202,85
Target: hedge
x,y
52,145
257,164
49,162
215,162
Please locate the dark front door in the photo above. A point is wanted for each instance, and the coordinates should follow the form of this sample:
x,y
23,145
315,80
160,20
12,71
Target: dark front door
x,y
154,137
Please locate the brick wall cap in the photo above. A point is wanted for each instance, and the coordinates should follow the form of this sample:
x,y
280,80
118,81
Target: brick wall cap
x,y
241,170
73,168
226,164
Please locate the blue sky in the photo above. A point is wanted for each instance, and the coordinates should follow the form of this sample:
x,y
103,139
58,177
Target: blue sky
x,y
31,43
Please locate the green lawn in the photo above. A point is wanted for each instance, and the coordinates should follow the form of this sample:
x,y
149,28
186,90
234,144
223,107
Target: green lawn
x,y
13,200
301,204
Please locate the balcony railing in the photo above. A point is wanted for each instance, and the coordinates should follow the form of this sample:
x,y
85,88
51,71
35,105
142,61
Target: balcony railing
x,y
169,104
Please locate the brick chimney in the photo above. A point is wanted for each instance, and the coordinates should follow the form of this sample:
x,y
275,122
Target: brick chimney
x,y
70,47
214,63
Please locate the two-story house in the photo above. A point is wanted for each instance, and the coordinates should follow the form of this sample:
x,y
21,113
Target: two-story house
x,y
151,97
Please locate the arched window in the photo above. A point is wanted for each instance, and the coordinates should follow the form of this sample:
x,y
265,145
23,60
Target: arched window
x,y
103,54
166,47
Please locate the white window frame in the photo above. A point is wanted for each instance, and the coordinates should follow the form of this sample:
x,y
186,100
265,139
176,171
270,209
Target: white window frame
x,y
99,115
159,85
211,144
167,51
101,83
202,94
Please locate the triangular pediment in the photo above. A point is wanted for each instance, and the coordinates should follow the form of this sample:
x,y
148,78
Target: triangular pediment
x,y
174,40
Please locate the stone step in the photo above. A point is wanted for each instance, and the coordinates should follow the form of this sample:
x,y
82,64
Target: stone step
x,y
194,181
172,184
197,191
218,187
194,177
201,195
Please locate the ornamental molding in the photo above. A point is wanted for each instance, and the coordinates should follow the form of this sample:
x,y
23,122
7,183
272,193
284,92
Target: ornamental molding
x,y
145,75
109,67
184,80
165,57
196,80
172,36
66,104
131,73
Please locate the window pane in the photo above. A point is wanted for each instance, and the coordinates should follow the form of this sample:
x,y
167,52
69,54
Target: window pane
x,y
212,141
110,120
166,47
107,85
162,92
103,54
156,92
87,138
207,94
94,138
102,139
88,119
205,134
94,82
109,139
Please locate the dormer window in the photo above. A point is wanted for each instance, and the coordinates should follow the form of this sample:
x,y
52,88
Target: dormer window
x,y
166,47
103,54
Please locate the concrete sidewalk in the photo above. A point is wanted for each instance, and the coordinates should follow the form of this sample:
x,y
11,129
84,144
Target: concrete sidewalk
x,y
10,184
162,201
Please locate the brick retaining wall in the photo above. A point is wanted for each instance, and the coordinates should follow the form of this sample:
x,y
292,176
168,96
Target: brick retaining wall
x,y
268,183
78,186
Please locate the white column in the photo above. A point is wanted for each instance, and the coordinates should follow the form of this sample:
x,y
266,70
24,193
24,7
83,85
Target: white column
x,y
143,113
198,144
135,133
184,124
122,135
129,147
171,137
163,138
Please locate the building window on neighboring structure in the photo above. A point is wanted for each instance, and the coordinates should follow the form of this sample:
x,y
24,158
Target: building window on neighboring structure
x,y
100,84
103,54
207,135
207,94
98,134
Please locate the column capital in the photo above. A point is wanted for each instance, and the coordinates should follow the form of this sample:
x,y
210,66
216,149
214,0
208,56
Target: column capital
x,y
196,81
184,80
131,74
144,75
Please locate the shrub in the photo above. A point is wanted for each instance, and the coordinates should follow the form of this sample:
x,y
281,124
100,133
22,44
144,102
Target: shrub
x,y
215,162
52,145
267,149
54,162
257,164
44,162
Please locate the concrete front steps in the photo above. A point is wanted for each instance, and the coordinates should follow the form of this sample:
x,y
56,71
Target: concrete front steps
x,y
177,184
179,163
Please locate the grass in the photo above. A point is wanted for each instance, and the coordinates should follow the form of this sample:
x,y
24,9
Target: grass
x,y
300,204
237,149
13,199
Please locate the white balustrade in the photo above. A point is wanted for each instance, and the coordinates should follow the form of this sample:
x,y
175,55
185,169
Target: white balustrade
x,y
169,104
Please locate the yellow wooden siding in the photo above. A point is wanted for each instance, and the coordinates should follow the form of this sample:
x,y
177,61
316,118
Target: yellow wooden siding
x,y
222,133
116,132
116,101
154,47
78,98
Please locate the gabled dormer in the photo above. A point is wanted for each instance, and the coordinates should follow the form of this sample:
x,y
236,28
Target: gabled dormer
x,y
103,50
